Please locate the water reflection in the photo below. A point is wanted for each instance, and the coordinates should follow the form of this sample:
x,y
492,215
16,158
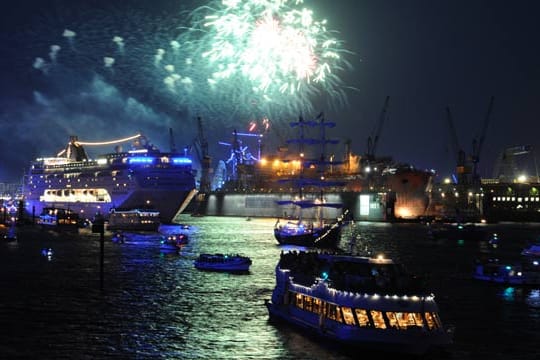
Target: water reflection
x,y
157,305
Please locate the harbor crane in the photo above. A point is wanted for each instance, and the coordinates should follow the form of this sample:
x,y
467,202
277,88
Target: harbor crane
x,y
477,145
506,168
461,168
201,148
467,169
468,179
373,139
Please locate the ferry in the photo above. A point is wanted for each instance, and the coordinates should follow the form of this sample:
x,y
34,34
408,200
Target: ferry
x,y
133,220
140,177
358,302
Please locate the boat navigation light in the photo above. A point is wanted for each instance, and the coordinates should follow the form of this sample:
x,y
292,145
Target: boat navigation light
x,y
181,160
380,257
141,160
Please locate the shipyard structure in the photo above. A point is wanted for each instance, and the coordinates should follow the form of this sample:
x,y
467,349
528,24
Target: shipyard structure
x,y
370,187
307,169
511,194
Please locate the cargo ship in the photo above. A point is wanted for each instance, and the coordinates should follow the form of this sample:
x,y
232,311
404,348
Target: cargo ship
x,y
141,177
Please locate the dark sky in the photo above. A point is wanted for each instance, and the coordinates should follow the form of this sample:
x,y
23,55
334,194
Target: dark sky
x,y
425,55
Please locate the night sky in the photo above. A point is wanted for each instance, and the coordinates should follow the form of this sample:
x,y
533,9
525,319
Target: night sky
x,y
425,55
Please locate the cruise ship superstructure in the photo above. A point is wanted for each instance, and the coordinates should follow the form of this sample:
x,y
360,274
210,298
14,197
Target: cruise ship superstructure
x,y
142,177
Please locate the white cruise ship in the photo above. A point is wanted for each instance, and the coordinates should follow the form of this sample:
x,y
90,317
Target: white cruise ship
x,y
142,177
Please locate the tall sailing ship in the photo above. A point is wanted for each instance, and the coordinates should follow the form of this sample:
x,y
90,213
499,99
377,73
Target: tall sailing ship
x,y
142,177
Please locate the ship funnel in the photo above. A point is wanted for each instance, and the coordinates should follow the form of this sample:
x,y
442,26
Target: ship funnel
x,y
75,151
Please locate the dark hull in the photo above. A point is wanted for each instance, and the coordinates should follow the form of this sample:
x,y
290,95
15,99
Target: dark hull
x,y
456,232
134,227
325,237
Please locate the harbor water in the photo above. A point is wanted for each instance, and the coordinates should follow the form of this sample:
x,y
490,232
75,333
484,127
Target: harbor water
x,y
150,305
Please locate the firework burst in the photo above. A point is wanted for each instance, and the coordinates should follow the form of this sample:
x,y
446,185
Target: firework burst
x,y
229,61
262,55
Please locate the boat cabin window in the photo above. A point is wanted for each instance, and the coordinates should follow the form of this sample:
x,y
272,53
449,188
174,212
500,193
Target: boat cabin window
x,y
403,320
317,306
392,320
308,305
348,316
333,312
362,316
378,319
432,320
299,302
418,319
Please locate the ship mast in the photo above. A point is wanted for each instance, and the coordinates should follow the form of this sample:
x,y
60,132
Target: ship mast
x,y
201,148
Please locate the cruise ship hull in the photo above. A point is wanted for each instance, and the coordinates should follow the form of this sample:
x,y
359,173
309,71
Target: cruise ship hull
x,y
143,177
168,202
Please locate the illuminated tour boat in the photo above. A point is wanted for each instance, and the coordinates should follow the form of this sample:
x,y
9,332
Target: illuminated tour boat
x,y
141,177
369,303
134,220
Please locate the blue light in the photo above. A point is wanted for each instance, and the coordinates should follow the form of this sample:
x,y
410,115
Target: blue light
x,y
508,293
141,160
181,160
324,275
48,253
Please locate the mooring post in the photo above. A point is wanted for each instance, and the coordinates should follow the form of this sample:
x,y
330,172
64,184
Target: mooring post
x,y
98,226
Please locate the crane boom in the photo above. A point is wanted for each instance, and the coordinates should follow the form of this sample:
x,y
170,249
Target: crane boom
x,y
461,168
453,137
477,143
202,153
374,138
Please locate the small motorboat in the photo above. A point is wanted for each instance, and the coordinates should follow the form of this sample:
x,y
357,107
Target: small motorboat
x,y
223,262
11,235
47,253
533,250
119,237
516,273
173,242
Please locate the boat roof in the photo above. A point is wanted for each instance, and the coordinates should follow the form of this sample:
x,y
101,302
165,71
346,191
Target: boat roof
x,y
335,257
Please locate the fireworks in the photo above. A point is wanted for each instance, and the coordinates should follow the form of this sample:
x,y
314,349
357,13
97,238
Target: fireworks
x,y
264,54
228,61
